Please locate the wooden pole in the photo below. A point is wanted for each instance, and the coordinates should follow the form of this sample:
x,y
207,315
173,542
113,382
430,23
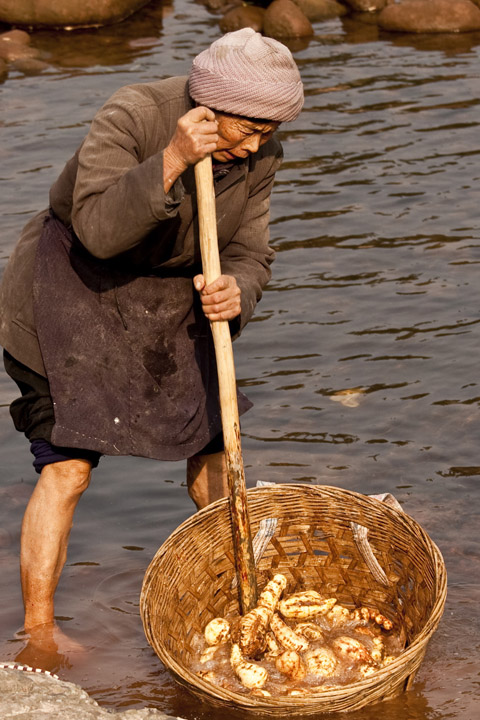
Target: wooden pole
x,y
242,538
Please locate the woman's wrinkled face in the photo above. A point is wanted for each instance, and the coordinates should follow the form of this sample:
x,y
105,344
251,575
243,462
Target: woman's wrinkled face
x,y
240,137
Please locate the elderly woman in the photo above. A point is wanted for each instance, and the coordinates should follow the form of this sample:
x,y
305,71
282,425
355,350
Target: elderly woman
x,y
105,323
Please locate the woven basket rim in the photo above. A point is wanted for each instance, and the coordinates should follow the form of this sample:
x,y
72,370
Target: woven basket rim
x,y
212,509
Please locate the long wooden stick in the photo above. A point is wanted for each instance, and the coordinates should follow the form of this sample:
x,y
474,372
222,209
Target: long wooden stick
x,y
242,538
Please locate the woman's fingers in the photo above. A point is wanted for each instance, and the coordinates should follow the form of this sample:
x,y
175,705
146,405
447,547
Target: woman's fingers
x,y
201,113
221,300
199,282
195,136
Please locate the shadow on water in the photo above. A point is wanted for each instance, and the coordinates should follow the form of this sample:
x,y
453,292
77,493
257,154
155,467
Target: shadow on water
x,y
362,356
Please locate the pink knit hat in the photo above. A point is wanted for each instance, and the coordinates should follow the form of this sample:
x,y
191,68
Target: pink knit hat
x,y
244,73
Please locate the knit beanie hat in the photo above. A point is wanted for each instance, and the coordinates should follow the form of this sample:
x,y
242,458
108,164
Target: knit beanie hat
x,y
244,73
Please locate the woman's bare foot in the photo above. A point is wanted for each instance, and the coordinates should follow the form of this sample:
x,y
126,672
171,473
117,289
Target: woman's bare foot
x,y
49,648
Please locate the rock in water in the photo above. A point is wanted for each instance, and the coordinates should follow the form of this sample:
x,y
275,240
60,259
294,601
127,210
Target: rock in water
x,y
18,36
366,5
430,16
284,19
29,66
242,17
317,10
11,50
66,13
3,70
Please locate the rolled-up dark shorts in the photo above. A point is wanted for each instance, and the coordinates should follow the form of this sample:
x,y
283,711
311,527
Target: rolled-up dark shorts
x,y
33,414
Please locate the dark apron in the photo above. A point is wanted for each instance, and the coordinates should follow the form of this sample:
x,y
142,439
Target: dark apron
x,y
129,357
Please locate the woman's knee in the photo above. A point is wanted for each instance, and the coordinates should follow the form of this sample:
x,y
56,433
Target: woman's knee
x,y
71,477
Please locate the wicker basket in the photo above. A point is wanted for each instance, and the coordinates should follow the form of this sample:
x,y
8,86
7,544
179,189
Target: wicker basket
x,y
344,544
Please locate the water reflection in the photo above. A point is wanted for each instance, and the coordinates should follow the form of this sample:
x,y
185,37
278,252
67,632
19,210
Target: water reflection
x,y
449,44
362,28
106,46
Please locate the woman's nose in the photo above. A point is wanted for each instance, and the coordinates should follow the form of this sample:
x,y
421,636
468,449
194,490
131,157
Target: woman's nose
x,y
252,143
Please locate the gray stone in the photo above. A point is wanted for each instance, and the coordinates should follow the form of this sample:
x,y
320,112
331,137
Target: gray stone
x,y
40,696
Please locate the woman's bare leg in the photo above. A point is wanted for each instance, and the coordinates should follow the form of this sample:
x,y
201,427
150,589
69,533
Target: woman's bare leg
x,y
46,529
207,478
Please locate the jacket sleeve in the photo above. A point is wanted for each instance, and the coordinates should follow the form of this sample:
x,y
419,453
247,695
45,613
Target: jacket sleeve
x,y
119,196
248,255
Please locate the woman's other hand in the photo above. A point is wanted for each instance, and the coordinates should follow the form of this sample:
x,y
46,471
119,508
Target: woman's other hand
x,y
220,299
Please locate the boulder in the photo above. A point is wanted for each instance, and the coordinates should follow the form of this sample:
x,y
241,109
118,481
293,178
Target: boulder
x,y
242,17
30,66
298,44
317,10
18,36
430,16
16,50
224,5
11,50
41,696
66,13
367,5
284,19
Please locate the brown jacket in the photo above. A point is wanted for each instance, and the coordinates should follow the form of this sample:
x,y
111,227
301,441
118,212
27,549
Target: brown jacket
x,y
111,193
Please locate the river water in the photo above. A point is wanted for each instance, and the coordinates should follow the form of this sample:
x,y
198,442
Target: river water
x,y
376,224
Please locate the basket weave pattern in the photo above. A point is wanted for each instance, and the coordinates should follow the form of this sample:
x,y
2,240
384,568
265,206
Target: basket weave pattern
x,y
189,582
